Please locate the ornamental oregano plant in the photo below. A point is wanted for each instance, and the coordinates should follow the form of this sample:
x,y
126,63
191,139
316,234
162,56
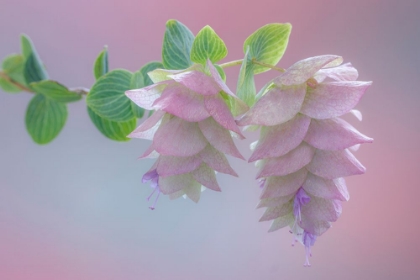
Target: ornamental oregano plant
x,y
304,149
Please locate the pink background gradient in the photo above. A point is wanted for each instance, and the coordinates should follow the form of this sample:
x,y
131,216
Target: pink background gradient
x,y
76,209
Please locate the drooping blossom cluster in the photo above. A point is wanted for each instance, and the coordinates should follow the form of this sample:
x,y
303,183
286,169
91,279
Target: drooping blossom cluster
x,y
304,148
190,128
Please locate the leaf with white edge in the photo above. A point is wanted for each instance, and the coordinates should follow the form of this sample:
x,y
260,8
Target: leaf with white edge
x,y
55,91
13,66
148,68
34,70
107,97
100,67
268,44
45,118
177,44
117,131
246,90
208,45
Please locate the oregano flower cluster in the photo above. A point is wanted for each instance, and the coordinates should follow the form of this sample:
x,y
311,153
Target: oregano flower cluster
x,y
304,150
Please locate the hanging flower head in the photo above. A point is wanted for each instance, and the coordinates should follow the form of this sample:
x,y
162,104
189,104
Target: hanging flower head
x,y
190,129
304,148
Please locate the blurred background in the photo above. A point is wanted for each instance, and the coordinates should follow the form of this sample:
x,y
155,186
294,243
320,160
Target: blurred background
x,y
76,208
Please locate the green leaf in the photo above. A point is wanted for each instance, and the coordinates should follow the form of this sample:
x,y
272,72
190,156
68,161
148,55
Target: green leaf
x,y
45,118
7,86
34,70
176,47
113,130
107,96
137,81
268,44
208,45
55,91
100,67
246,90
148,68
221,72
13,66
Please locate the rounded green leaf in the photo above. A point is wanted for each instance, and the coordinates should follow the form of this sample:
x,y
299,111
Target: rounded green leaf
x,y
117,131
107,96
100,67
148,68
208,45
55,91
34,69
45,118
13,66
177,44
9,87
268,44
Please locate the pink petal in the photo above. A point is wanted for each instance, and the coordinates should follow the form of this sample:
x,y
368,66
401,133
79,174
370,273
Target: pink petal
x,y
329,100
198,82
284,185
219,81
193,192
344,72
205,176
275,201
238,106
147,129
216,160
334,134
219,137
281,222
316,227
278,140
287,164
144,97
179,138
320,209
172,184
149,153
302,70
357,114
328,189
220,112
170,165
278,211
275,107
335,164
183,103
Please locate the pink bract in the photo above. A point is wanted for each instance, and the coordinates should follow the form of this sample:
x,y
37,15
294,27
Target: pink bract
x,y
303,151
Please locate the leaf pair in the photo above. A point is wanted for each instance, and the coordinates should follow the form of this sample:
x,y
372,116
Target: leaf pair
x,y
113,114
181,49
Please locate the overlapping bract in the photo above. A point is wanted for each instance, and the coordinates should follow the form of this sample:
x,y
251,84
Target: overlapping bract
x,y
303,151
190,129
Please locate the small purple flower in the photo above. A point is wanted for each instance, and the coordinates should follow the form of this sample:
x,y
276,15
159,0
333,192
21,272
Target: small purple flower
x,y
153,177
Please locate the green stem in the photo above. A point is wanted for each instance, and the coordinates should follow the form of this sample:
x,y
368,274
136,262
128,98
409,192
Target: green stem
x,y
231,63
254,61
18,85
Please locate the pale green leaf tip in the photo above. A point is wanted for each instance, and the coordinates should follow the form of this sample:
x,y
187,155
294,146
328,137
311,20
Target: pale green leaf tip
x,y
171,22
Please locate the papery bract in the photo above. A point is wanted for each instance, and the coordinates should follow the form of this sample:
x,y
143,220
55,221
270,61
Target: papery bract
x,y
191,129
304,147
